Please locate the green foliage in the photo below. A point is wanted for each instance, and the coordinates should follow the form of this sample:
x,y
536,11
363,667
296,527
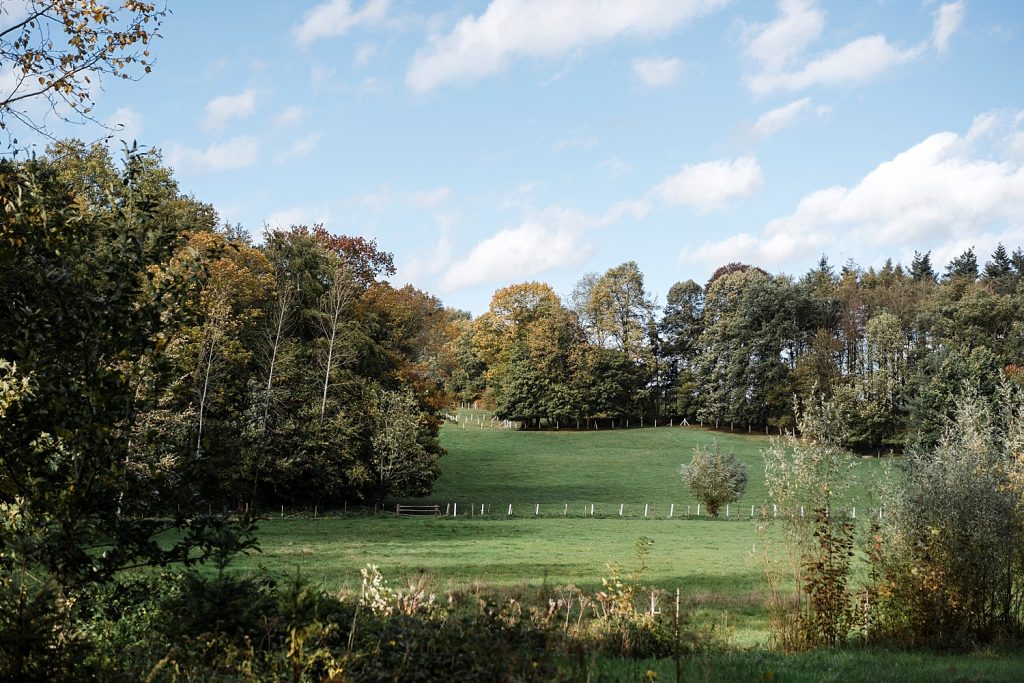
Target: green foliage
x,y
806,477
88,304
715,478
951,570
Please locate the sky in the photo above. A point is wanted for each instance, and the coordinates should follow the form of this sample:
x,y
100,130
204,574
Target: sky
x,y
489,143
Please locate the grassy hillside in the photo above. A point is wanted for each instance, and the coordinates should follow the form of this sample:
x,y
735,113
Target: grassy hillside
x,y
605,467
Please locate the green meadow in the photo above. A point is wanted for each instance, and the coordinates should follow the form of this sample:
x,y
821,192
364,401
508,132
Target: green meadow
x,y
713,562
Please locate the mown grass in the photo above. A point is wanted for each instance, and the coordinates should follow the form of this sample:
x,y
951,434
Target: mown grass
x,y
606,467
710,561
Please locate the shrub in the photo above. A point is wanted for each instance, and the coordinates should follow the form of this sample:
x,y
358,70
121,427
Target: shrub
x,y
715,478
952,568
816,549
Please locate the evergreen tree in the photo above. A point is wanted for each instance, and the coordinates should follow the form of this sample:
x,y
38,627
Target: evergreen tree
x,y
964,266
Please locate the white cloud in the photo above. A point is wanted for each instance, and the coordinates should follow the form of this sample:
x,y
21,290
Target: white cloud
x,y
517,253
857,62
776,44
657,72
335,18
232,154
289,116
552,238
708,186
945,192
299,148
947,20
127,124
510,29
222,109
775,120
777,50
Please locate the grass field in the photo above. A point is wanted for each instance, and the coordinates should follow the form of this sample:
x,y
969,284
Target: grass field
x,y
607,467
709,560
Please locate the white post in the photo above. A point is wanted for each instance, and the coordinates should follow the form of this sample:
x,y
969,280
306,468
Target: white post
x,y
566,510
751,511
698,509
645,509
455,510
671,509
510,509
537,511
481,508
591,509
855,512
727,510
282,510
687,510
801,510
621,505
775,510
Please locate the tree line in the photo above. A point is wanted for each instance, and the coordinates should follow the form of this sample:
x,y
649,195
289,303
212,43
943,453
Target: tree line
x,y
890,347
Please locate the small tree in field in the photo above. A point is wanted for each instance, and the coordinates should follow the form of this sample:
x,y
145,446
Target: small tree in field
x,y
715,478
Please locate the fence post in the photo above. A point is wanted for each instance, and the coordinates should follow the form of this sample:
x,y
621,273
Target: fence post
x,y
510,509
671,509
282,510
775,510
565,512
537,511
751,511
726,510
591,509
621,505
645,509
698,509
455,509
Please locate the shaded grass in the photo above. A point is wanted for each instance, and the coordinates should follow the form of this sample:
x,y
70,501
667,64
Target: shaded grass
x,y
826,666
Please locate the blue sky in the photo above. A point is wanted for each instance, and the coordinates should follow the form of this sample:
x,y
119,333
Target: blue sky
x,y
486,143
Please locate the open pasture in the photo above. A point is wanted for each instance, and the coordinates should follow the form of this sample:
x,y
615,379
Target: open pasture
x,y
607,467
711,561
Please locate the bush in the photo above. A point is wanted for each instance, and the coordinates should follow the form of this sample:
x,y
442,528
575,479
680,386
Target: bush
x,y
715,478
952,565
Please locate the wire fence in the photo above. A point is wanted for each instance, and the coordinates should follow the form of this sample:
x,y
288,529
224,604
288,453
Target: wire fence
x,y
605,510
